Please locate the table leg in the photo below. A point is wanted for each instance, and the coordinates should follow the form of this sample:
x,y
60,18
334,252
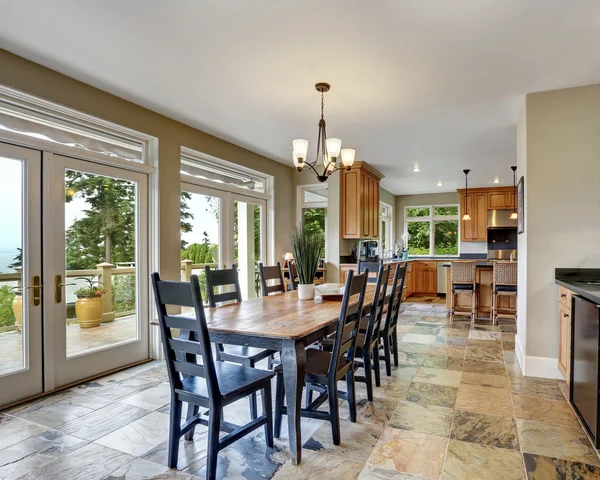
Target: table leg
x,y
293,359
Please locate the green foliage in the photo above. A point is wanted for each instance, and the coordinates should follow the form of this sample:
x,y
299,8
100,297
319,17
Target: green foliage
x,y
307,250
417,212
314,221
93,289
185,216
123,293
446,237
441,211
7,295
419,238
18,260
204,252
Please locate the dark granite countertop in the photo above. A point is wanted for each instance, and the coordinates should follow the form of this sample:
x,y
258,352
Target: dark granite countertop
x,y
478,265
574,279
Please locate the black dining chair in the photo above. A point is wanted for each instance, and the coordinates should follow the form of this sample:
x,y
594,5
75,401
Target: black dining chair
x,y
271,273
366,355
324,369
372,266
388,332
242,355
293,274
212,385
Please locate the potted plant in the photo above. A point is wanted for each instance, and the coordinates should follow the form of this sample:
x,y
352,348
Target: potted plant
x,y
17,308
89,305
307,250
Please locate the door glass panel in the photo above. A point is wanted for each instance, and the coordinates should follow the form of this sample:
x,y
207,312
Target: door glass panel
x,y
13,322
247,241
101,250
199,235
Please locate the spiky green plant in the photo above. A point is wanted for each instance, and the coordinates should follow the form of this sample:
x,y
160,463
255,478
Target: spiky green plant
x,y
307,248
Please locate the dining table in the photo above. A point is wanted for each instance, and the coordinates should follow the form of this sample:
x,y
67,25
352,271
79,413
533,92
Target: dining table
x,y
284,323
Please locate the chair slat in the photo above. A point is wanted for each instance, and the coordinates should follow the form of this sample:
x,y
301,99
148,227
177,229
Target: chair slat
x,y
182,322
188,368
171,293
226,297
186,346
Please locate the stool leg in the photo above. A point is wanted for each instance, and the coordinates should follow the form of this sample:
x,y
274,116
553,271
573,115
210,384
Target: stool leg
x,y
474,296
452,306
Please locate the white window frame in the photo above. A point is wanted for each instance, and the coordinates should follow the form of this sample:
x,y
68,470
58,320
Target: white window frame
x,y
389,227
302,205
431,218
268,195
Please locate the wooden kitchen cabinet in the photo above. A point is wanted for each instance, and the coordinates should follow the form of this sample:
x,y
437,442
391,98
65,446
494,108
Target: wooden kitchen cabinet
x,y
474,230
360,202
425,277
501,199
564,333
409,281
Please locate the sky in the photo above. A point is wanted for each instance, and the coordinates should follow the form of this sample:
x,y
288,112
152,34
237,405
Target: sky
x,y
204,221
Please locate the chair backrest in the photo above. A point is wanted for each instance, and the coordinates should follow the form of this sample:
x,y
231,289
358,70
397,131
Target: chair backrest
x,y
376,310
348,323
505,273
223,278
372,266
391,319
270,273
181,354
293,274
462,272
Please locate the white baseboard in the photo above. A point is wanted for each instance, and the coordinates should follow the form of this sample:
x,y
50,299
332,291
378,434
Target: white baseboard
x,y
542,367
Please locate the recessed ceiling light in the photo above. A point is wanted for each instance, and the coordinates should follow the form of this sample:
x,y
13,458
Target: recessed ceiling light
x,y
439,184
496,180
415,169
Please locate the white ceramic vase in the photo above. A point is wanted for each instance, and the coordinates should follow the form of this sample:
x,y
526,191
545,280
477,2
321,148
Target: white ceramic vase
x,y
306,292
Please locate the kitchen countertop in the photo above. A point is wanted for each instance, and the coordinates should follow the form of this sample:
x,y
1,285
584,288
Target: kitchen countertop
x,y
572,278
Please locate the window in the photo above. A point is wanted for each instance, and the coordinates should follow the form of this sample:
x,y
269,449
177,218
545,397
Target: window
x,y
386,231
312,209
433,230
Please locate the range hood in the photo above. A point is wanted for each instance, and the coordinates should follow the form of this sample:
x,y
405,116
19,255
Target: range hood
x,y
501,219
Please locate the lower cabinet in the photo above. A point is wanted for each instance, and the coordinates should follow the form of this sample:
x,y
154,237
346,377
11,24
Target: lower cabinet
x,y
564,333
425,277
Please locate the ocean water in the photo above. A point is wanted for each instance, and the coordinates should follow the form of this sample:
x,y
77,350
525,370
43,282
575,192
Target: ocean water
x,y
5,260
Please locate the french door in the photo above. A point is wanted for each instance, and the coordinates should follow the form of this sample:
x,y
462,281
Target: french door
x,y
224,228
20,273
74,291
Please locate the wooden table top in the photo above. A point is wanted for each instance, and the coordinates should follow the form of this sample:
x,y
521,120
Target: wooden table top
x,y
278,316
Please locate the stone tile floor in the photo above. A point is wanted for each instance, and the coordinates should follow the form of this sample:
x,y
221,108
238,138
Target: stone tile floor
x,y
457,407
79,340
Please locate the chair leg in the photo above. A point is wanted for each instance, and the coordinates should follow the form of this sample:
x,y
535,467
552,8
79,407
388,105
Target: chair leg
x,y
386,356
334,414
309,394
376,367
395,346
174,432
212,451
191,411
350,386
368,373
268,412
279,397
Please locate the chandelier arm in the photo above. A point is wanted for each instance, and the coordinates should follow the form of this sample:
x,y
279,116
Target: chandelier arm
x,y
310,165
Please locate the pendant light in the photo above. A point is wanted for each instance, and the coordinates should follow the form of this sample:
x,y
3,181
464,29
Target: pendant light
x,y
466,216
514,215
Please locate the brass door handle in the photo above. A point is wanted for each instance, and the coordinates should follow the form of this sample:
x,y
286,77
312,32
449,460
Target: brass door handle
x,y
58,288
37,290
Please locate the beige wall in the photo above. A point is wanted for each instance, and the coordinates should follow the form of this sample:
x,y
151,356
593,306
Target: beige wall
x,y
521,338
559,156
29,77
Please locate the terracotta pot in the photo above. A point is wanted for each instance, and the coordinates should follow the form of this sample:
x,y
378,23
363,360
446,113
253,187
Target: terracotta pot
x,y
306,292
89,311
17,308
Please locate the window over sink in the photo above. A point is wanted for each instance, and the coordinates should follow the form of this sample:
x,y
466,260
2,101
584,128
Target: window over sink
x,y
433,230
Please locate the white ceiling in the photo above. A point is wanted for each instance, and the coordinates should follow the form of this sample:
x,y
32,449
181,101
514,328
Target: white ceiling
x,y
437,83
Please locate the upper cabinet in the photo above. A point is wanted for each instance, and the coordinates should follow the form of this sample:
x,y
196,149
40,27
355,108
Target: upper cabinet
x,y
360,201
477,203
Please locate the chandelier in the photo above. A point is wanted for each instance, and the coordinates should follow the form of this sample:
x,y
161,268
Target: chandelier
x,y
328,149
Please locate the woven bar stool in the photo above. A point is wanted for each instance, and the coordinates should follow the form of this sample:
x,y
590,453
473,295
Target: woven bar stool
x,y
505,284
462,277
